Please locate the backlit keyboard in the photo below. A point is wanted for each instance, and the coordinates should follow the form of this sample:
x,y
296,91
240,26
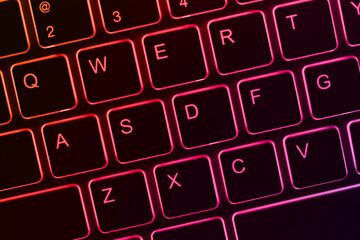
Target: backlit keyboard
x,y
179,119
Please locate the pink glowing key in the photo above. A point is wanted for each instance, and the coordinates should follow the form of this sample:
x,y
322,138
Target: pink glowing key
x,y
353,129
305,28
315,157
188,8
350,11
212,228
121,201
56,213
244,2
186,186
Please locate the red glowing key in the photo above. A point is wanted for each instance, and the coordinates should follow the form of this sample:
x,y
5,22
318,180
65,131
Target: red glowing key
x,y
187,8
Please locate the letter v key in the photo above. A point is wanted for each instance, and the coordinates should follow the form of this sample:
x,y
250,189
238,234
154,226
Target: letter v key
x,y
303,153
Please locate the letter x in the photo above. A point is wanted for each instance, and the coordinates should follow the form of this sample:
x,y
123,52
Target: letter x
x,y
173,180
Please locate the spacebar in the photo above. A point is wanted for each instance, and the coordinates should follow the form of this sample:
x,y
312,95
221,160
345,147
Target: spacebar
x,y
330,215
49,214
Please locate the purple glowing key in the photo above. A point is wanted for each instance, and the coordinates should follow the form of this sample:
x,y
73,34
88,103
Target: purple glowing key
x,y
213,228
350,11
315,157
240,42
304,28
186,186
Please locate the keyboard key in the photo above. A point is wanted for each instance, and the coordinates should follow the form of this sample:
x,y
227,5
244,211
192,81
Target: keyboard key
x,y
186,186
243,2
270,102
331,215
125,15
250,171
44,86
109,71
350,11
354,136
304,28
5,113
178,50
74,145
315,157
187,8
13,39
62,22
212,228
140,131
130,238
329,81
204,116
240,42
19,162
120,205
55,214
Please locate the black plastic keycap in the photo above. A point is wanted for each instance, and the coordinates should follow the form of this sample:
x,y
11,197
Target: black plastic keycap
x,y
305,28
186,8
240,42
43,86
109,71
250,171
315,157
204,229
139,131
354,134
19,164
186,186
56,214
332,87
121,201
128,14
175,57
5,115
60,22
74,145
13,38
350,11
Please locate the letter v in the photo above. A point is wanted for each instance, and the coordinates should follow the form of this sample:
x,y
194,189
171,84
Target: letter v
x,y
303,154
97,63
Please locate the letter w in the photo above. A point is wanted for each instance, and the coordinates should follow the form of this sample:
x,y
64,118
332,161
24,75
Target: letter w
x,y
97,63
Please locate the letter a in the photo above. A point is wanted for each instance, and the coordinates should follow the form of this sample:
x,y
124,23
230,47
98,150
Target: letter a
x,y
61,140
97,63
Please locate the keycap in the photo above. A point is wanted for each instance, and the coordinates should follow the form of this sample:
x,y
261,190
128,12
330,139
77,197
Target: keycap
x,y
74,145
56,213
350,11
140,131
269,102
19,161
125,15
204,116
240,42
5,113
62,22
330,215
212,228
187,8
353,129
121,201
315,157
250,171
180,52
130,238
43,86
109,71
243,2
331,87
186,186
14,38
304,28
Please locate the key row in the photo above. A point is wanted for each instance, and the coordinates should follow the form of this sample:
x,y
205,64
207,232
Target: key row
x,y
247,224
301,32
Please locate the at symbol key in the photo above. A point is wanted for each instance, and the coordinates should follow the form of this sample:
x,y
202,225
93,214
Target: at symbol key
x,y
175,57
205,116
315,157
332,87
121,201
305,28
186,186
61,22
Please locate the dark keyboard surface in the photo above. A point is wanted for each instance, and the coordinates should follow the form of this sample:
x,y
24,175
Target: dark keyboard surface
x,y
179,119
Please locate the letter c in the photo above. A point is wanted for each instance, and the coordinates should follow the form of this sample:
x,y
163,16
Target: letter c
x,y
234,168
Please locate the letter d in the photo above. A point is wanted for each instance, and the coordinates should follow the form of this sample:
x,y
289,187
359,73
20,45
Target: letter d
x,y
195,113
